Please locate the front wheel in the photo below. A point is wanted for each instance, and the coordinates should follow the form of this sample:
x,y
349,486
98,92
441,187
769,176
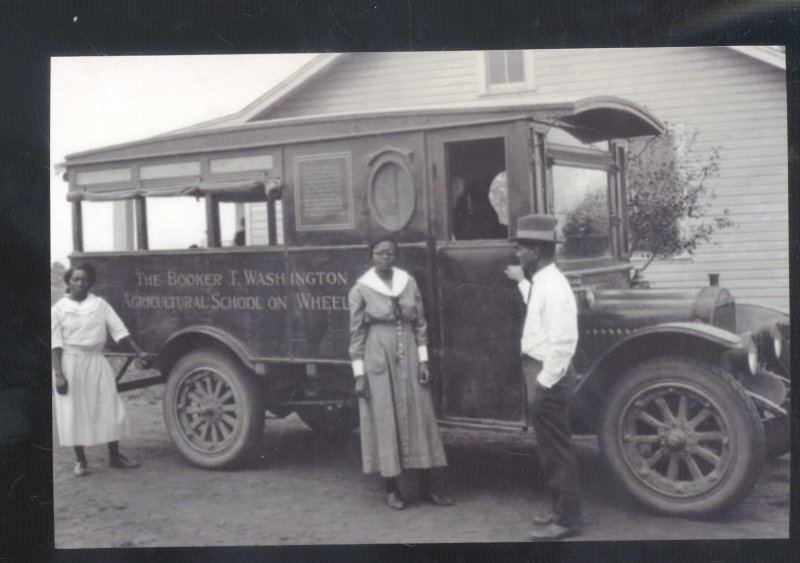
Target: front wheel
x,y
213,409
682,437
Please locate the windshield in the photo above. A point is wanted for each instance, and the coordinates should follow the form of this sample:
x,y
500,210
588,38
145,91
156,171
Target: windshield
x,y
580,204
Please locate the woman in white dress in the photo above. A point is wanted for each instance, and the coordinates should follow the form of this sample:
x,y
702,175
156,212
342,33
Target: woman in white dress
x,y
88,408
388,346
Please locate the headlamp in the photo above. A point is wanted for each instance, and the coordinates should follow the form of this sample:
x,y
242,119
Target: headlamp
x,y
777,341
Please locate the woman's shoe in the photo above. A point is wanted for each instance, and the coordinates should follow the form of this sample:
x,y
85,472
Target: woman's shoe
x,y
395,501
122,462
81,469
437,499
544,519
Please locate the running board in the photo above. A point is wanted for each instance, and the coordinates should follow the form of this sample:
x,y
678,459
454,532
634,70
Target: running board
x,y
482,424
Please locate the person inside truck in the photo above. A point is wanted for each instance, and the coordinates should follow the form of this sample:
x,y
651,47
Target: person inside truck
x,y
388,348
89,410
238,238
474,217
549,340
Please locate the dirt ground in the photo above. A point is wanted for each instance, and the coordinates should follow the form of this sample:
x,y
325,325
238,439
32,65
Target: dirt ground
x,y
306,489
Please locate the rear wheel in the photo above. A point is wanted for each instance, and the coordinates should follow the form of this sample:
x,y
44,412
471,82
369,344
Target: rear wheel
x,y
213,409
682,436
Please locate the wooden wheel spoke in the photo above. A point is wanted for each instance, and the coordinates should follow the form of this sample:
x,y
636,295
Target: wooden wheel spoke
x,y
193,396
230,408
656,457
191,409
195,425
230,419
683,407
208,383
216,435
666,413
694,469
199,428
207,432
224,431
709,436
227,395
672,470
222,389
645,439
700,417
650,419
707,455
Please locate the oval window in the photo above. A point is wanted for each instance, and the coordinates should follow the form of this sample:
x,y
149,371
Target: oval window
x,y
391,196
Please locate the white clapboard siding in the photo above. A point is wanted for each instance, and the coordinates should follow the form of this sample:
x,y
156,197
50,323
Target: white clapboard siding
x,y
735,102
256,227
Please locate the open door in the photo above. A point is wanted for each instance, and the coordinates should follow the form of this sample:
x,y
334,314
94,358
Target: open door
x,y
480,311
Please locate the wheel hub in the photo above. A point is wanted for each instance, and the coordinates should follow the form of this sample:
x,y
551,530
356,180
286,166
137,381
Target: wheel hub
x,y
676,439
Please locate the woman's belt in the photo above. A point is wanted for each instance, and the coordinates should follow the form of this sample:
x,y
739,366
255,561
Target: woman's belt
x,y
392,322
74,349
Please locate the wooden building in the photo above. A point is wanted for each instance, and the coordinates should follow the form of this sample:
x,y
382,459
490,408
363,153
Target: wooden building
x,y
734,97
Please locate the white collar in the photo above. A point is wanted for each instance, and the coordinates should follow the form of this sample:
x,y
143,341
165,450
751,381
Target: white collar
x,y
543,272
90,303
372,281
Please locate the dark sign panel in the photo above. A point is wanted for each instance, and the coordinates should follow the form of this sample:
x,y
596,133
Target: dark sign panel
x,y
324,187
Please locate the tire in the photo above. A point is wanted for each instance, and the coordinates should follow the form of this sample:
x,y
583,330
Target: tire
x,y
334,422
682,437
213,410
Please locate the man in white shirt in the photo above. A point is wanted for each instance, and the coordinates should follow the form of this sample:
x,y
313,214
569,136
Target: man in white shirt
x,y
549,338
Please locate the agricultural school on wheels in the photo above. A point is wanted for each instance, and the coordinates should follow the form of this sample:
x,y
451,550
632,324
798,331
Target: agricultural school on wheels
x,y
685,402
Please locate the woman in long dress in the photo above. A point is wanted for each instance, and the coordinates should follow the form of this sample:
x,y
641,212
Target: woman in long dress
x,y
89,410
388,346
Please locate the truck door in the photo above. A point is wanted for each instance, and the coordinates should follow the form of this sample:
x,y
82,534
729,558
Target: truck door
x,y
481,181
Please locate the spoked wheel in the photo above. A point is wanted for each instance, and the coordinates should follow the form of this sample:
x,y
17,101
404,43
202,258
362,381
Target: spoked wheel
x,y
682,437
213,410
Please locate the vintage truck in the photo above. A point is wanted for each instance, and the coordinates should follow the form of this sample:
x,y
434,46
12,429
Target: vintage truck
x,y
686,390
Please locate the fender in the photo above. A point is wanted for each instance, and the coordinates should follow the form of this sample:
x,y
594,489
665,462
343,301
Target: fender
x,y
753,317
697,332
178,340
698,339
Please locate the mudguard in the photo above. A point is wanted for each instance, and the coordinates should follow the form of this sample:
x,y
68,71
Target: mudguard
x,y
686,338
168,353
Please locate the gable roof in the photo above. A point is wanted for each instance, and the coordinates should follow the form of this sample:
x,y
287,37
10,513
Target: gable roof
x,y
259,107
274,95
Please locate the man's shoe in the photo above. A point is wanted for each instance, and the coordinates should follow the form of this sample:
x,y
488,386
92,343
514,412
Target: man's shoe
x,y
81,469
553,531
122,462
544,519
437,499
395,501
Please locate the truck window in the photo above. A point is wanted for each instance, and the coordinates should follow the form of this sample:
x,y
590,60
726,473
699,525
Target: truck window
x,y
472,167
104,226
176,223
582,209
247,224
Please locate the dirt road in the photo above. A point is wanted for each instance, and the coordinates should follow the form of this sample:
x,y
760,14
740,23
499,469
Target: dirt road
x,y
306,489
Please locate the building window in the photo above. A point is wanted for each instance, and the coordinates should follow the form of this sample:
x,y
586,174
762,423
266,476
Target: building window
x,y
505,71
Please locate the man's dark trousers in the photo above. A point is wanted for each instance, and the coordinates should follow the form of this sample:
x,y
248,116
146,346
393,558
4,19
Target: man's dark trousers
x,y
548,412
